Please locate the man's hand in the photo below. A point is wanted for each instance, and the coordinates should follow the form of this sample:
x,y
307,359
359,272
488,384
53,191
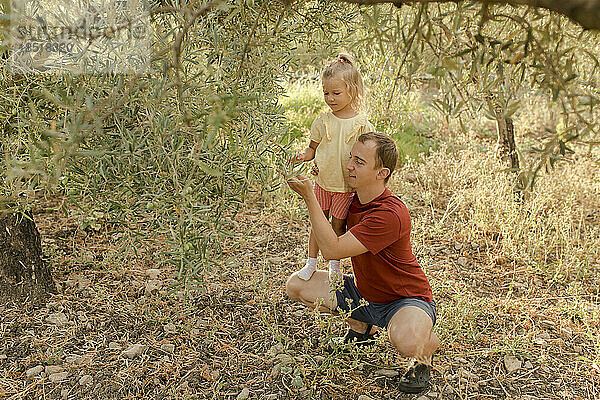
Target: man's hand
x,y
301,185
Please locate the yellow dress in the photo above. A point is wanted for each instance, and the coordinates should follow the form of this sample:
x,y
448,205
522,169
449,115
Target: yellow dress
x,y
336,136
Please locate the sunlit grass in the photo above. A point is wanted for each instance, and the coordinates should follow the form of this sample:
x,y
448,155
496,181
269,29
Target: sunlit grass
x,y
303,102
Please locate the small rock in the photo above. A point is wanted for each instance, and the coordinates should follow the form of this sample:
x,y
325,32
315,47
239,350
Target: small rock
x,y
466,374
53,369
511,363
540,341
168,347
545,369
244,394
462,360
152,287
364,397
170,328
566,332
433,395
58,377
458,246
153,273
3,356
85,360
276,370
70,283
284,359
545,336
202,323
85,380
35,371
271,396
134,351
462,261
276,349
387,372
114,346
319,359
59,319
546,323
184,386
81,316
499,260
528,365
423,398
304,394
215,374
275,260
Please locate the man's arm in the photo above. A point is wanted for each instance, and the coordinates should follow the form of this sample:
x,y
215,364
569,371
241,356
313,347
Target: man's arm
x,y
332,247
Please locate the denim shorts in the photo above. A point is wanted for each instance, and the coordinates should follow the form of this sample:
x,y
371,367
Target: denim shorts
x,y
378,314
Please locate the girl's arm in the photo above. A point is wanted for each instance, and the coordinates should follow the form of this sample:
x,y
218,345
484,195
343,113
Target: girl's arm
x,y
309,152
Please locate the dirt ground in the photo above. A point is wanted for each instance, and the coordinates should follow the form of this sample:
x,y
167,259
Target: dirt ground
x,y
236,335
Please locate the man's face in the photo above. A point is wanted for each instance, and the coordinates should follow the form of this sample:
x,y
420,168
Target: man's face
x,y
361,165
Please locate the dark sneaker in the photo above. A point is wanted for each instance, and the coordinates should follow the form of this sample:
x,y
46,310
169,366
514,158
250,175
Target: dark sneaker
x,y
416,379
353,337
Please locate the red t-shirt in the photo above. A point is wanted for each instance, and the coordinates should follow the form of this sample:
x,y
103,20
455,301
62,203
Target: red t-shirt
x,y
389,270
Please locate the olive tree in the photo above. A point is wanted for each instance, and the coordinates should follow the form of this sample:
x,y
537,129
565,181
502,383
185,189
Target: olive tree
x,y
171,151
484,58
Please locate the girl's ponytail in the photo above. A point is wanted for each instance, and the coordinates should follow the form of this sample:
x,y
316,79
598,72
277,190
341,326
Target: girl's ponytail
x,y
345,58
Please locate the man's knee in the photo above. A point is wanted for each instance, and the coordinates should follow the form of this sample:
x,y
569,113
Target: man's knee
x,y
410,331
407,343
293,286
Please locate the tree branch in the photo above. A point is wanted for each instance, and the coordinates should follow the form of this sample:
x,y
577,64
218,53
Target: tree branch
x,y
585,13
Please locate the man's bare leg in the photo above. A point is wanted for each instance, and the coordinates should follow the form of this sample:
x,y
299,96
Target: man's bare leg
x,y
411,333
312,292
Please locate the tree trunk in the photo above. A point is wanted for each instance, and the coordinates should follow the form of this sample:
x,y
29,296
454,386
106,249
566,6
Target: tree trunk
x,y
507,150
23,273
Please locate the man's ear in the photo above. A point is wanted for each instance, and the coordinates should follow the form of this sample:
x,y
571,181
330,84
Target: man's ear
x,y
383,173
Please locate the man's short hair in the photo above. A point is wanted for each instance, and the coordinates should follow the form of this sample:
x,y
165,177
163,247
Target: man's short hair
x,y
386,150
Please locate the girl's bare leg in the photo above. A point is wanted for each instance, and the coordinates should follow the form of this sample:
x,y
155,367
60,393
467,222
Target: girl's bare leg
x,y
313,251
335,271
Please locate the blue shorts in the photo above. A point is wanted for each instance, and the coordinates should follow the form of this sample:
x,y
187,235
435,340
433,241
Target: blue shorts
x,y
378,314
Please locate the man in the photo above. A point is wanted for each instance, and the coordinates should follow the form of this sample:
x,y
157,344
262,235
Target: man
x,y
386,273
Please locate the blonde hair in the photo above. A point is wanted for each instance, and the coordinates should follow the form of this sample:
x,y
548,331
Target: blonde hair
x,y
343,68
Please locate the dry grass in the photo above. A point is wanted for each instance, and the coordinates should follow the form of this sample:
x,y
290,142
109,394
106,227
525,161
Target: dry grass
x,y
511,277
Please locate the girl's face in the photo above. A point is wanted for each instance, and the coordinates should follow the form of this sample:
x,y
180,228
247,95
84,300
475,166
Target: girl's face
x,y
337,97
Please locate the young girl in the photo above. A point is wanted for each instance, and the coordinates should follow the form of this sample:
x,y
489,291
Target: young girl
x,y
332,136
